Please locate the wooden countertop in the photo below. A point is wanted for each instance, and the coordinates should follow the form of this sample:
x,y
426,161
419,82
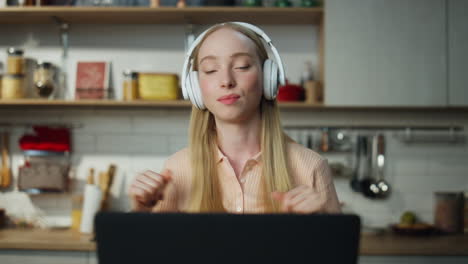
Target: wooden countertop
x,y
371,244
38,239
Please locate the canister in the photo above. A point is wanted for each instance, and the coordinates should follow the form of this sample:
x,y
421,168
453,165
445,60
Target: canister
x,y
448,211
12,86
15,61
158,86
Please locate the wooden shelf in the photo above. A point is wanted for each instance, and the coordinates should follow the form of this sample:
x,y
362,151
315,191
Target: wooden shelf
x,y
162,15
38,104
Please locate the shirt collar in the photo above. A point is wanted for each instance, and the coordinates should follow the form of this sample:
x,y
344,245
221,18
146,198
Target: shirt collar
x,y
221,156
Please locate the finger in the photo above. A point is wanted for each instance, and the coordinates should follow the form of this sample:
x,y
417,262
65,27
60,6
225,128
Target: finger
x,y
287,201
140,195
300,198
310,206
143,192
307,208
153,175
167,175
151,182
294,192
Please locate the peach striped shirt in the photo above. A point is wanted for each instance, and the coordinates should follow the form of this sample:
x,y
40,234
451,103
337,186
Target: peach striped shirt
x,y
244,194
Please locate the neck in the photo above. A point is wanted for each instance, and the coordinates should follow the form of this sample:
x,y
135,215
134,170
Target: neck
x,y
239,141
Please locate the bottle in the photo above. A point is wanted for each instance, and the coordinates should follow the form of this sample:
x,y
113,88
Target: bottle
x,y
307,74
130,85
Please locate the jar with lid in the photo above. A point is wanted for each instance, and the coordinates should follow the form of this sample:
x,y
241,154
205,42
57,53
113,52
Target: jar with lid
x,y
12,86
44,79
15,61
130,85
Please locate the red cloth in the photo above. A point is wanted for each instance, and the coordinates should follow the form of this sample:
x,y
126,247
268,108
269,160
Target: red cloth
x,y
47,139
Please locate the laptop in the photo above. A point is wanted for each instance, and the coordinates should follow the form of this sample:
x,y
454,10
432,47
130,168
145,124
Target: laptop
x,y
226,238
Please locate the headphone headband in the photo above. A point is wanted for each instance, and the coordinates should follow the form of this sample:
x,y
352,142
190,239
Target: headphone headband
x,y
188,61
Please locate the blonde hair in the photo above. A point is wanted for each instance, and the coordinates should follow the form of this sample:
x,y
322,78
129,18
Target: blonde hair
x,y
206,190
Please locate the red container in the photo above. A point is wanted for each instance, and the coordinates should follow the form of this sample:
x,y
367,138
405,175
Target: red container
x,y
290,93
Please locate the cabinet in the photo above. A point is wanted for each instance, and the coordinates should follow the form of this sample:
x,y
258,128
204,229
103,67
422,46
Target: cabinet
x,y
458,52
385,53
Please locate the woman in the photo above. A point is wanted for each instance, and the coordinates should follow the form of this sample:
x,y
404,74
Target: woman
x,y
238,159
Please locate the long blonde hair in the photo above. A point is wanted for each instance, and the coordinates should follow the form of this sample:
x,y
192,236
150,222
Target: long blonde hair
x,y
206,190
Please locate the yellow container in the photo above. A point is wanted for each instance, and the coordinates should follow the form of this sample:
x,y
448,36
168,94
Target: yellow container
x,y
12,86
158,86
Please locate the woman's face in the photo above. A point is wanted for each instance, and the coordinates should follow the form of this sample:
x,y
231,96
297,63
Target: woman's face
x,y
230,75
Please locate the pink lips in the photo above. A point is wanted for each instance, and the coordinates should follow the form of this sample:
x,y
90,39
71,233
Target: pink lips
x,y
229,99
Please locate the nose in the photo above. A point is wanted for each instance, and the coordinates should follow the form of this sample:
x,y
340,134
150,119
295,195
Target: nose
x,y
227,79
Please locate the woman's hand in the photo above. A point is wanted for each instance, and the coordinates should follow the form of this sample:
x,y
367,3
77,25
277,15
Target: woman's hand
x,y
302,199
148,188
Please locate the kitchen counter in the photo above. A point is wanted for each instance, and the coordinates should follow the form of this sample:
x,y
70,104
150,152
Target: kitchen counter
x,y
371,244
38,239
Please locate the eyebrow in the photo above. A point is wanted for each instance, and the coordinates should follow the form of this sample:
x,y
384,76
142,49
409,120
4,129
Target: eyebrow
x,y
238,54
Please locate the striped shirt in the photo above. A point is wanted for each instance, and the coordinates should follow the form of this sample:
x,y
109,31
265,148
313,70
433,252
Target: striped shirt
x,y
244,194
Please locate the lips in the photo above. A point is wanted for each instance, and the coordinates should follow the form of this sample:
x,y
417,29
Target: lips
x,y
229,99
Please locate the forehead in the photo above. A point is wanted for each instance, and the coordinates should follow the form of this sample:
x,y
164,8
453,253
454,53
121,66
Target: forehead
x,y
224,42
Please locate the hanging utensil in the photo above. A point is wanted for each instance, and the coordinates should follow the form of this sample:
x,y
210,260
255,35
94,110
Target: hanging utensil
x,y
6,172
367,184
355,182
381,186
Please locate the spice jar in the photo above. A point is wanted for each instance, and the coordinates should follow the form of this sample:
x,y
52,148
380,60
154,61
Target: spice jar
x,y
12,86
448,213
44,79
15,61
130,85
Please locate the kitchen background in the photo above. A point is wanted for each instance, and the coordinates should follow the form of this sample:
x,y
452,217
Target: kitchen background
x,y
140,139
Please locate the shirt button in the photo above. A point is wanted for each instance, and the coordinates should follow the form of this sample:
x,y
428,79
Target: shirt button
x,y
239,209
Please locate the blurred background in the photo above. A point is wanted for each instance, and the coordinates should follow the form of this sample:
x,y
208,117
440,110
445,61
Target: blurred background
x,y
90,96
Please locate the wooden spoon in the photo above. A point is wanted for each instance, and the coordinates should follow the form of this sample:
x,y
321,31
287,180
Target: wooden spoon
x,y
6,172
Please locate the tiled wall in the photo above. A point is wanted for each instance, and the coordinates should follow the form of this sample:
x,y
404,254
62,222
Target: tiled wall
x,y
137,140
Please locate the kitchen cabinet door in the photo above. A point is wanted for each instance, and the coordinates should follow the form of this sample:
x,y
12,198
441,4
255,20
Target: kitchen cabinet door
x,y
458,52
385,53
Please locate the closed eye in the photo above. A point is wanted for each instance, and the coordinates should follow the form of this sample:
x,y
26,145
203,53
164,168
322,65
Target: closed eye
x,y
243,67
209,72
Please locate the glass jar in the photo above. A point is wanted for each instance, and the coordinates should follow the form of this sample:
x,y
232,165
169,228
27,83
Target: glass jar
x,y
130,85
44,79
15,61
12,86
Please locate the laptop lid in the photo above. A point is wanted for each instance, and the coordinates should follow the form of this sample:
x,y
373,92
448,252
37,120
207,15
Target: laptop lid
x,y
226,238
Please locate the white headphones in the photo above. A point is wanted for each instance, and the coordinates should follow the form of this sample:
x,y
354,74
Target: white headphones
x,y
273,71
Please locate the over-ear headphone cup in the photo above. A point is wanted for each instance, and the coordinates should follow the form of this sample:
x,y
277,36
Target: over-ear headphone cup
x,y
270,79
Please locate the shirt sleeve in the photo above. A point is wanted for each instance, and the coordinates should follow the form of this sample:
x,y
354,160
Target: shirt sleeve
x,y
323,184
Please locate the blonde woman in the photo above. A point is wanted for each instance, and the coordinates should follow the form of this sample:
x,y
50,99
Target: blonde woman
x,y
238,160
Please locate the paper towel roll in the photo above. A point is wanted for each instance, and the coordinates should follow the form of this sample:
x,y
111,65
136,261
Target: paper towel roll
x,y
91,205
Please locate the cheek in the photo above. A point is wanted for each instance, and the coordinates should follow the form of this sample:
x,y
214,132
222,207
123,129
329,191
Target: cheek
x,y
254,82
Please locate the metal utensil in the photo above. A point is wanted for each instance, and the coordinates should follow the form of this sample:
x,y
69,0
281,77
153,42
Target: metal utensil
x,y
368,181
382,187
355,182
